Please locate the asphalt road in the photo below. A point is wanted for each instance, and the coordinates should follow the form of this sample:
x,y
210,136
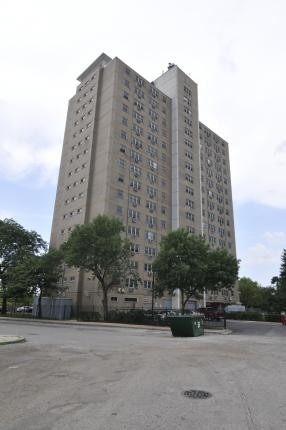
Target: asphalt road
x,y
253,328
71,377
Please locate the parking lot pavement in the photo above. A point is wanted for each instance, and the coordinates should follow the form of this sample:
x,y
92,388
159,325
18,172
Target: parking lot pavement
x,y
107,378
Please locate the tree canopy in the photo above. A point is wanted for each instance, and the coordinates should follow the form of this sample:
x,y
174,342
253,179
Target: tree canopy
x,y
98,247
16,243
280,284
187,263
38,275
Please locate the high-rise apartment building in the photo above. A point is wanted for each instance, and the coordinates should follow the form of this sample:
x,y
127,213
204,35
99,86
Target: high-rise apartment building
x,y
136,150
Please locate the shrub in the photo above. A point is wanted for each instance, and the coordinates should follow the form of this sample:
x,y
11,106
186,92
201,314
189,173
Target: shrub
x,y
89,316
134,316
246,316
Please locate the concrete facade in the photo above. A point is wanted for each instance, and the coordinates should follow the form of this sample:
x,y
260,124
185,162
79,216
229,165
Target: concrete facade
x,y
136,150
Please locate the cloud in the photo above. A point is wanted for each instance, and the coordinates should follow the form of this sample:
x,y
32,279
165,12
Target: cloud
x,y
29,146
275,238
5,214
261,254
281,148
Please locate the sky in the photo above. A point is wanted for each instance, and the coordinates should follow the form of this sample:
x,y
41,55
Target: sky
x,y
234,50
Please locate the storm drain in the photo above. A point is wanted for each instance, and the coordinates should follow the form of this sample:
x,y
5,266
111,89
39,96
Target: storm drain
x,y
196,394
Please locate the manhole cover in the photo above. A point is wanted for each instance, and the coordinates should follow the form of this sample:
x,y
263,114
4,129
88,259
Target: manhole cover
x,y
197,394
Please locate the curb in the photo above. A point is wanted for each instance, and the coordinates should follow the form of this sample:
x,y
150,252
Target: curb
x,y
6,339
104,324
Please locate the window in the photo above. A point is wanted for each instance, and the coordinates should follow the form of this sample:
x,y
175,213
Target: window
x,y
150,205
140,81
148,267
152,178
123,135
139,92
152,164
124,121
190,216
133,214
134,200
119,210
136,185
121,163
125,95
150,236
154,92
139,105
153,115
134,248
138,117
152,151
188,132
152,192
153,139
133,231
151,221
135,156
138,130
189,190
153,126
120,194
136,142
130,299
136,170
151,252
148,284
125,108
190,203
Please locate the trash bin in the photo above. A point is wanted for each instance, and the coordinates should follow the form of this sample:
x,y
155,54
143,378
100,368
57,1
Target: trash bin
x,y
186,326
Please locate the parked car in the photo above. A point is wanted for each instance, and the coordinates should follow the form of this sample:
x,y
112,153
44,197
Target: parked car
x,y
211,313
25,309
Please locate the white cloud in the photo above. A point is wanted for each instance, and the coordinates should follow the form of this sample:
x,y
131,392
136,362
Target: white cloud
x,y
261,254
28,145
281,148
262,260
275,238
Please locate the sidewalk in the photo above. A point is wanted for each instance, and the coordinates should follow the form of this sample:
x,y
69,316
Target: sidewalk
x,y
104,324
4,340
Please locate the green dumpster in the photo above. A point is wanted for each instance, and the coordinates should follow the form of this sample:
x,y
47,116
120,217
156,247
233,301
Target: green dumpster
x,y
186,326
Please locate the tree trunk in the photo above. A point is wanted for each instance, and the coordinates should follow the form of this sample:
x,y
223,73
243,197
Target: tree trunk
x,y
105,303
4,303
182,302
40,305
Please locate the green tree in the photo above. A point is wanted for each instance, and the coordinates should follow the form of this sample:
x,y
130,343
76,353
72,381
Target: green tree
x,y
98,247
187,263
222,270
250,292
269,302
15,244
280,284
38,275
